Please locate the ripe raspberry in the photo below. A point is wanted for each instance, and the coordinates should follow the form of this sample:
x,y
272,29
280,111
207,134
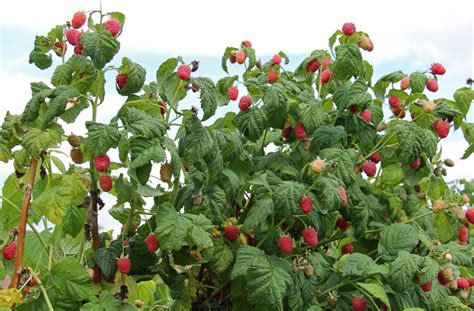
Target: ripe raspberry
x,y
415,164
365,43
246,43
462,283
325,62
184,72
113,26
325,76
347,249
348,29
72,36
231,233
366,115
463,234
162,105
427,287
300,131
437,69
60,48
9,251
441,127
166,171
342,193
342,224
394,102
375,157
286,131
245,102
306,205
78,48
232,58
405,83
432,85
313,65
78,19
101,162
471,282
359,303
233,93
318,165
470,215
369,169
77,156
124,265
240,57
152,243
106,183
285,243
272,76
121,79
310,236
276,60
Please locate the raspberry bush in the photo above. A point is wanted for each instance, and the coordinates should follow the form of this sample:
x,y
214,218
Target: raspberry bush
x,y
325,191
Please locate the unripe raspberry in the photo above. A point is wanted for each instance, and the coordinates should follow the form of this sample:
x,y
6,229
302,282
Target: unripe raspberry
x,y
240,57
405,83
429,106
439,205
318,165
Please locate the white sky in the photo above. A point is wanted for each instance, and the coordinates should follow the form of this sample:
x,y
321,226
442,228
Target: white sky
x,y
415,33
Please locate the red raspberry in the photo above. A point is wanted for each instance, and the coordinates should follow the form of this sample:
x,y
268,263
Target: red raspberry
x,y
106,183
462,283
441,127
415,164
97,276
463,234
245,102
232,58
246,43
471,282
285,243
72,36
427,287
113,26
240,57
470,215
394,102
162,105
152,243
276,59
306,205
441,279
184,72
432,85
101,162
310,236
272,76
121,79
325,76
300,131
124,265
325,62
342,223
233,93
369,168
9,251
359,303
399,112
78,19
231,233
375,157
286,132
366,115
348,29
313,65
78,48
342,193
60,48
405,83
437,69
347,249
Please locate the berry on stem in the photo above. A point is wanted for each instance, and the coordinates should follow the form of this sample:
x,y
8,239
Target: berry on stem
x,y
9,251
124,265
233,93
348,29
369,168
78,19
245,102
432,85
285,243
152,243
121,79
106,183
113,26
231,233
310,236
306,205
101,162
300,131
359,303
437,69
276,60
184,72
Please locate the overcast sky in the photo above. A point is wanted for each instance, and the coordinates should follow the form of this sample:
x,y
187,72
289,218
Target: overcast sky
x,y
408,35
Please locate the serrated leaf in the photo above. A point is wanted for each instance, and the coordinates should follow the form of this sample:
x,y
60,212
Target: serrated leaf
x,y
200,232
259,211
357,265
37,140
171,228
403,270
165,70
327,136
381,86
105,302
140,123
198,140
78,72
396,238
222,87
106,259
208,96
286,197
392,174
222,257
101,137
144,152
74,220
245,255
100,46
136,75
71,280
174,89
417,82
446,226
275,106
344,166
376,291
348,62
251,122
57,106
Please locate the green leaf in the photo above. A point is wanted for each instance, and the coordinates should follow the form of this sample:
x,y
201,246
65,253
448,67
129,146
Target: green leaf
x,y
275,106
41,60
222,87
105,302
266,283
136,75
57,106
101,137
396,238
463,97
200,232
71,280
286,197
461,253
171,228
348,62
37,140
357,265
208,96
251,122
446,226
392,174
78,72
312,116
100,46
198,140
451,303
403,270
381,86
258,214
244,257
106,258
329,193
32,108
165,70
74,220
138,122
222,257
417,82
144,152
343,162
376,291
174,89
225,57
328,136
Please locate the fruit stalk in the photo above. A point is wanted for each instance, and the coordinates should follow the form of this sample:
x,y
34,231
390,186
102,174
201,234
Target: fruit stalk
x,y
22,225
